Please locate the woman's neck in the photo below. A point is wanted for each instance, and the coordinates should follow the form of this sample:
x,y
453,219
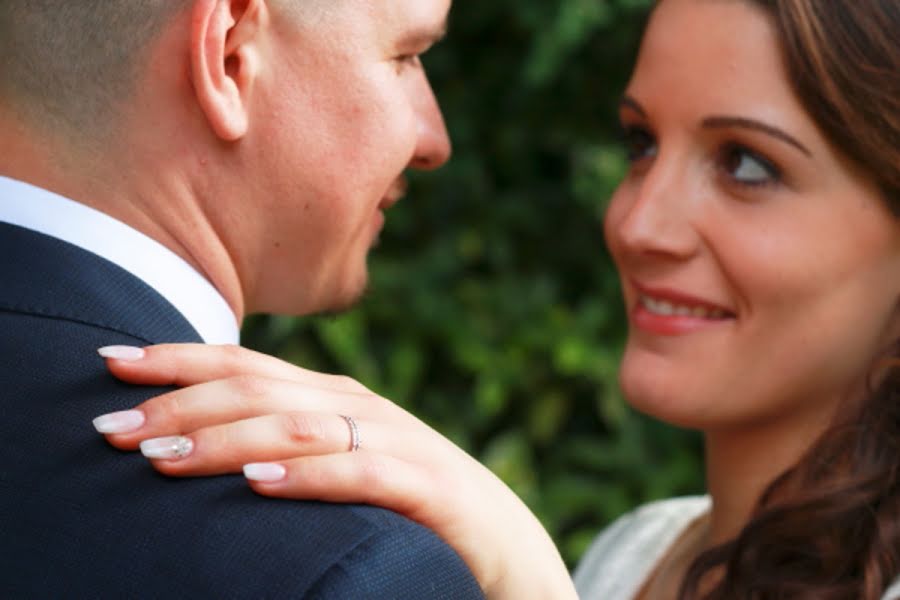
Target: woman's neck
x,y
740,466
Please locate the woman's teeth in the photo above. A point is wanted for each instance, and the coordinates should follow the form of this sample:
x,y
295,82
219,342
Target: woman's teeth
x,y
668,309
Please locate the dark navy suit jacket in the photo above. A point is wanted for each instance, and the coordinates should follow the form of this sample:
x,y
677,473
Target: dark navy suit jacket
x,y
79,519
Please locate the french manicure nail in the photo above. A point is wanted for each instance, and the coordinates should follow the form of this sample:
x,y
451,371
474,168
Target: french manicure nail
x,y
126,353
264,472
168,448
120,422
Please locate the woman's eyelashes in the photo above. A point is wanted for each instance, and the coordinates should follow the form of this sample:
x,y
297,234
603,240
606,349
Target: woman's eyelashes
x,y
740,164
747,167
639,143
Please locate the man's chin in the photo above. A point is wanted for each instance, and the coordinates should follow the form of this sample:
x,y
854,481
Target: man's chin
x,y
334,301
346,303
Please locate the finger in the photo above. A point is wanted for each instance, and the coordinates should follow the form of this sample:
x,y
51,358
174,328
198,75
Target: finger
x,y
419,491
189,364
227,448
227,400
360,477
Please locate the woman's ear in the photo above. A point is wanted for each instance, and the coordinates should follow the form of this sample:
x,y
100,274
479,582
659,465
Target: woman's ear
x,y
225,60
893,350
895,321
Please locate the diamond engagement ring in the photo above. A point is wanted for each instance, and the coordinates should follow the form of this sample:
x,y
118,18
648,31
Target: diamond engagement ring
x,y
354,433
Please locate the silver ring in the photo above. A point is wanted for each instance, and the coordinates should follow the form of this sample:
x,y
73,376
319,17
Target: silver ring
x,y
354,433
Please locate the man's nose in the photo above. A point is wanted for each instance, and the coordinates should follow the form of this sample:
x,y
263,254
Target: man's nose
x,y
433,146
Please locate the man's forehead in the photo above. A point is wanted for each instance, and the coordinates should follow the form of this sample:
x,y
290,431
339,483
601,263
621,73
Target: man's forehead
x,y
391,25
415,21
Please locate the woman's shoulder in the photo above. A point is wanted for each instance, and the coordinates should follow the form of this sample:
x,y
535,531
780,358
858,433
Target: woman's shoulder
x,y
672,512
893,592
625,553
648,523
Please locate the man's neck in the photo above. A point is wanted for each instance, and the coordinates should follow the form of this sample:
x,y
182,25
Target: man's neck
x,y
156,200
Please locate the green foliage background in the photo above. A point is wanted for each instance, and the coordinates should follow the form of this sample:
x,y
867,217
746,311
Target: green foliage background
x,y
495,312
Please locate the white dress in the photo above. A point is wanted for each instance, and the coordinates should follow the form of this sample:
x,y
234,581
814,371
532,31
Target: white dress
x,y
622,558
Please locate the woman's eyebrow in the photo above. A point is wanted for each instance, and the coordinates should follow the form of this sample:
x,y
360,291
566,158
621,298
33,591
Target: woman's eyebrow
x,y
719,122
629,102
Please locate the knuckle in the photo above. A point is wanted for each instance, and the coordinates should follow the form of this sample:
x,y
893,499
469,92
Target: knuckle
x,y
347,383
385,409
217,440
390,409
218,445
232,354
170,406
303,428
249,386
374,472
174,367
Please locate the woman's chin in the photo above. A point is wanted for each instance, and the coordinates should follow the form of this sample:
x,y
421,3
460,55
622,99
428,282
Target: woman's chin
x,y
666,399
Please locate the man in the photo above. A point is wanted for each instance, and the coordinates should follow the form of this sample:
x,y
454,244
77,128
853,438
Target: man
x,y
169,166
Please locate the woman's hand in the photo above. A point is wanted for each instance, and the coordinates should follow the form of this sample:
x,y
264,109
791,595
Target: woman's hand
x,y
287,428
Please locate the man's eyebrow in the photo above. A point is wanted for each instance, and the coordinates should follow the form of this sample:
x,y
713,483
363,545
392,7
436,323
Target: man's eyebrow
x,y
423,36
744,123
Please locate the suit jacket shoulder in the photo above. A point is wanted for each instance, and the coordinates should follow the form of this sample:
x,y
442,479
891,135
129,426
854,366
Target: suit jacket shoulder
x,y
80,519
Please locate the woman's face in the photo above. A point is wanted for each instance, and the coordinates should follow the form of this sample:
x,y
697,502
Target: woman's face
x,y
761,271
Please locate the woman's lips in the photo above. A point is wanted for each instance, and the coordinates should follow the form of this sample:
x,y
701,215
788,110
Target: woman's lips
x,y
669,312
667,308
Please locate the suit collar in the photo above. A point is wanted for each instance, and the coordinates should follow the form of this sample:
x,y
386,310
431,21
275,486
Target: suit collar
x,y
187,290
46,277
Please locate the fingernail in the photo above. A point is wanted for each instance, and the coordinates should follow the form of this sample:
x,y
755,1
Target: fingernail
x,y
264,472
126,353
169,448
120,422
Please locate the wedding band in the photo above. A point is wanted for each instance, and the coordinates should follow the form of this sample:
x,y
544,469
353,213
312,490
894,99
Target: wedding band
x,y
354,433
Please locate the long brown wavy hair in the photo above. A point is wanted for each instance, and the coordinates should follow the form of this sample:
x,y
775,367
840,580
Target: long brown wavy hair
x,y
829,527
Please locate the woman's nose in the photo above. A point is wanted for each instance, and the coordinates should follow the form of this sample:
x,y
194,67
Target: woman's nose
x,y
658,209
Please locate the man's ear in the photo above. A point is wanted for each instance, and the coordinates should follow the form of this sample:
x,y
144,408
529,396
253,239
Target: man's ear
x,y
225,37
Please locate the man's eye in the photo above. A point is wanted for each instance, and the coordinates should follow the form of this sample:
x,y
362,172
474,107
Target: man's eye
x,y
405,61
749,168
639,144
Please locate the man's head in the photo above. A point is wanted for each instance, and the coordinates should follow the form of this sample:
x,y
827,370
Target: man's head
x,y
68,64
282,126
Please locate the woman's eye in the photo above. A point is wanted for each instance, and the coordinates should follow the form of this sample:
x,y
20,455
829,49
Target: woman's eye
x,y
748,168
639,144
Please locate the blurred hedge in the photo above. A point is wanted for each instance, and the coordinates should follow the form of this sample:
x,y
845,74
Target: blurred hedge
x,y
494,312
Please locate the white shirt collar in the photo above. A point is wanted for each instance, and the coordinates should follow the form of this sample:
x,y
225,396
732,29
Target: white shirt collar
x,y
187,290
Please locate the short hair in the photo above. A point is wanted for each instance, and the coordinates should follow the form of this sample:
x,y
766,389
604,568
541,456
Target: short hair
x,y
68,66
70,63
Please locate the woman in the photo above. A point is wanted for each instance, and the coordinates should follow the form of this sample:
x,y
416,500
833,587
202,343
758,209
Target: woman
x,y
758,242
